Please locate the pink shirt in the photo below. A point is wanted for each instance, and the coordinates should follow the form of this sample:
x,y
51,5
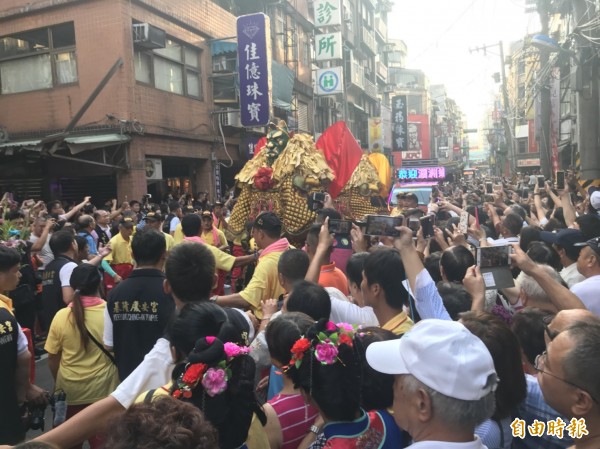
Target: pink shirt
x,y
295,418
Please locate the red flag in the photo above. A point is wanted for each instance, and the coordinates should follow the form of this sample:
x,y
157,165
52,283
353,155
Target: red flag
x,y
342,153
262,142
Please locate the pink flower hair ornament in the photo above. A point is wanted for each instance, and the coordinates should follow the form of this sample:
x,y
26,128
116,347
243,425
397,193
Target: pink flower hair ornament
x,y
213,375
324,346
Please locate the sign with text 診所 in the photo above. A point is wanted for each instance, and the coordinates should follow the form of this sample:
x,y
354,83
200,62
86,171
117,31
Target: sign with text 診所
x,y
399,123
422,174
327,13
254,63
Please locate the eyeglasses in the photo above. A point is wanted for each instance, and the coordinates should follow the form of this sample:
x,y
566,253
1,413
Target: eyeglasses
x,y
541,360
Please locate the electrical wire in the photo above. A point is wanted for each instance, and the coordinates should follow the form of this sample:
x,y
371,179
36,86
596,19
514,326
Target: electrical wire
x,y
436,40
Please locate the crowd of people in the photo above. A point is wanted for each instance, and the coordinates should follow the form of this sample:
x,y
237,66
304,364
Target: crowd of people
x,y
164,330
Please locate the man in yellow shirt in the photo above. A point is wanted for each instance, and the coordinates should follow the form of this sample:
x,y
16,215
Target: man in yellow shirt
x,y
211,234
264,284
219,219
191,227
155,220
383,290
396,211
120,258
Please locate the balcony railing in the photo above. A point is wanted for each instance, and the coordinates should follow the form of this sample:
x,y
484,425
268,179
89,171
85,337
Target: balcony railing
x,y
368,39
381,28
370,89
382,70
357,74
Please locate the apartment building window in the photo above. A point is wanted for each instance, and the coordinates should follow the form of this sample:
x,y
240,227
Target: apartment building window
x,y
175,68
38,59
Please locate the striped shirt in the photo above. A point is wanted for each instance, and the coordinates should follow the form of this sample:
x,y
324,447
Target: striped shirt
x,y
295,418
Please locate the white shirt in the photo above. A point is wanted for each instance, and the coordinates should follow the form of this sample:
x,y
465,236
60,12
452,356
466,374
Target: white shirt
x,y
45,254
503,242
154,372
347,312
571,275
587,291
65,274
475,444
173,223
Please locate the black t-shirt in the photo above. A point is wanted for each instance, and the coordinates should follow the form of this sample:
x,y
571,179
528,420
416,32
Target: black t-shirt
x,y
11,429
52,297
140,310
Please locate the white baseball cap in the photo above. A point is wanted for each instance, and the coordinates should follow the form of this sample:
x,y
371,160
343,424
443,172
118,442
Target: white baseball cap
x,y
444,355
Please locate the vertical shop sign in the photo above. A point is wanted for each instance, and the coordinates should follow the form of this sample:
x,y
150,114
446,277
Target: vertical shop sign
x,y
254,62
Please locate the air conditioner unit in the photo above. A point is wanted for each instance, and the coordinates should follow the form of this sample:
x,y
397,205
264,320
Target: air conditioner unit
x,y
148,36
388,88
231,118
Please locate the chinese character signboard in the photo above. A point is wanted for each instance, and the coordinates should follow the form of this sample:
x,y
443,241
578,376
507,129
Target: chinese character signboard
x,y
254,62
399,123
422,174
327,13
328,46
330,81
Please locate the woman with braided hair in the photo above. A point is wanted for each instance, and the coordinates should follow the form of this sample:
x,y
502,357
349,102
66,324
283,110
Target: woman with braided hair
x,y
325,365
214,375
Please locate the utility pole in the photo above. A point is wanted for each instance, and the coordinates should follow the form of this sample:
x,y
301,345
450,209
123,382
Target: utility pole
x,y
588,109
507,129
544,143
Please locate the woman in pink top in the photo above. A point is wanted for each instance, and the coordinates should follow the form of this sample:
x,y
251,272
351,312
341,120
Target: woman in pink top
x,y
289,417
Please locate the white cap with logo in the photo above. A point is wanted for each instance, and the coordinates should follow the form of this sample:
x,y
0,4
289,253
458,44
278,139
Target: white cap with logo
x,y
444,355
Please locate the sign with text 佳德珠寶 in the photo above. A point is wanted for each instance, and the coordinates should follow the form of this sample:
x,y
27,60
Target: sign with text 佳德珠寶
x,y
254,62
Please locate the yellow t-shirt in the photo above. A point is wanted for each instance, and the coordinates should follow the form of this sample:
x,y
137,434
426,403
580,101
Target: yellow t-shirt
x,y
208,238
257,437
223,261
121,251
396,211
86,376
170,241
6,303
264,283
399,325
178,234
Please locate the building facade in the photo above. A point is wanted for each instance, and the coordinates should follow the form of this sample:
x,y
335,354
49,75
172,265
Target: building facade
x,y
67,133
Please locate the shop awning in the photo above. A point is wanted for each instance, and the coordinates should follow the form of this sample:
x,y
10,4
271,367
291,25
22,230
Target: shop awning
x,y
21,144
78,144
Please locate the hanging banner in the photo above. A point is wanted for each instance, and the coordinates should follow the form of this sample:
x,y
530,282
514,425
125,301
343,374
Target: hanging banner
x,y
254,64
327,13
375,135
399,123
